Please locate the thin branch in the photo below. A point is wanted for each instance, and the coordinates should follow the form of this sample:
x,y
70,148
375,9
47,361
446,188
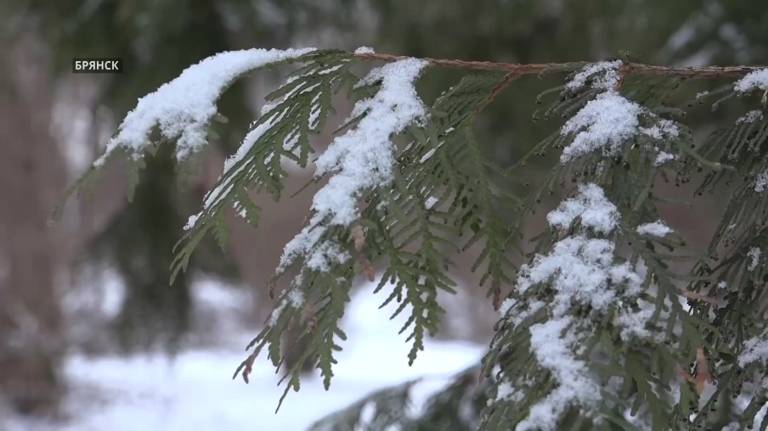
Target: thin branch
x,y
704,72
504,83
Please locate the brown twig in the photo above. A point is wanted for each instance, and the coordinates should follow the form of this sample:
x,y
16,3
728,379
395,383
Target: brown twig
x,y
703,72
703,375
504,83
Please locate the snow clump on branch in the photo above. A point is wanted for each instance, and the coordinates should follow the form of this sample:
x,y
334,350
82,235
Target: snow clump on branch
x,y
183,107
657,229
581,271
609,120
360,159
604,75
751,81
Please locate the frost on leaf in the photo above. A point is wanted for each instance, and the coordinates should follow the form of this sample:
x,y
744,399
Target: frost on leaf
x,y
663,129
753,254
590,206
750,117
183,107
604,123
755,350
761,181
752,81
360,159
663,157
603,75
657,229
364,50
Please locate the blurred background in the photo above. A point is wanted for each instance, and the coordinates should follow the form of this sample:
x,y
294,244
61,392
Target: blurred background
x,y
92,336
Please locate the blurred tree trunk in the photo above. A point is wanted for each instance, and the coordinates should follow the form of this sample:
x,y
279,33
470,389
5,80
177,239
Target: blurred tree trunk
x,y
33,176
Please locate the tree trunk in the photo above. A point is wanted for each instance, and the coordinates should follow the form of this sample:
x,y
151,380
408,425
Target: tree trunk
x,y
33,176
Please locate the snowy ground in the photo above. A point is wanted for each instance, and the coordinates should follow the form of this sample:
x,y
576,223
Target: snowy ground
x,y
194,391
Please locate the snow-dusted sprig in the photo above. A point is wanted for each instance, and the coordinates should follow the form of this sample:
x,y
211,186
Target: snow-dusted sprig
x,y
183,108
610,120
292,113
743,146
180,111
472,198
359,160
756,80
562,299
443,189
317,315
597,285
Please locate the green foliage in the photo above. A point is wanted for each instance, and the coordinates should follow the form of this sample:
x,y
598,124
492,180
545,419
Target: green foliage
x,y
447,197
455,408
293,112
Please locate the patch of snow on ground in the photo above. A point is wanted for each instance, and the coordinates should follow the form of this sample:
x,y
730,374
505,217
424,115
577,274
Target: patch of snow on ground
x,y
194,391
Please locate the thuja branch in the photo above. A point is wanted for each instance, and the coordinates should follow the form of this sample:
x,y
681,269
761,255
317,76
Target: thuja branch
x,y
704,72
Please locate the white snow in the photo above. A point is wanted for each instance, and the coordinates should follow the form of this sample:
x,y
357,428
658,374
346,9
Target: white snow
x,y
755,350
590,205
191,220
579,269
662,129
604,123
750,117
523,311
657,228
428,155
633,322
364,50
362,158
296,297
608,120
761,181
753,80
505,306
506,391
194,390
663,157
233,165
607,79
183,107
552,347
754,254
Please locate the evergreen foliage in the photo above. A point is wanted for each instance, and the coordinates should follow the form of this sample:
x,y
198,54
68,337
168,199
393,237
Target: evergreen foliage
x,y
601,329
